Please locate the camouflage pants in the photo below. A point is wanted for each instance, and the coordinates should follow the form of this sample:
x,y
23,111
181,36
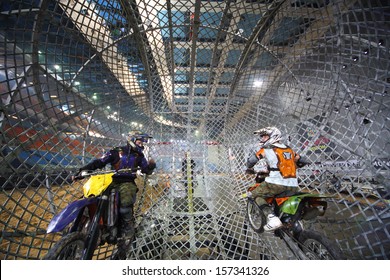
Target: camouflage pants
x,y
266,189
127,194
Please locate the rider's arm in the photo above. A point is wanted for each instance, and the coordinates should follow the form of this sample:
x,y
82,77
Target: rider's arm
x,y
255,157
300,161
111,156
251,161
147,167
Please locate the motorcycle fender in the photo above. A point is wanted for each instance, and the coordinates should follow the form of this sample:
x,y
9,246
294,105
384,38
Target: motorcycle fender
x,y
290,206
68,214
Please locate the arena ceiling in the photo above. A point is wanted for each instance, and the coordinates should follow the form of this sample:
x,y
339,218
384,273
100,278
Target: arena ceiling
x,y
77,75
181,63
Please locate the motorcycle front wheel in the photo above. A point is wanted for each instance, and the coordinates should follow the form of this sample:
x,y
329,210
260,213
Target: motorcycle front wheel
x,y
256,216
318,247
69,247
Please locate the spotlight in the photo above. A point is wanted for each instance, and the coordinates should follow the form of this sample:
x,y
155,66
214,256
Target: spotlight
x,y
258,83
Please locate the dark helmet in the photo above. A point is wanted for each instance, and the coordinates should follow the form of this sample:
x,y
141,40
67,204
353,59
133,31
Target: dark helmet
x,y
135,135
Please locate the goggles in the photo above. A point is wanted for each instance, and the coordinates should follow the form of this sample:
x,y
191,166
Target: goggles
x,y
142,137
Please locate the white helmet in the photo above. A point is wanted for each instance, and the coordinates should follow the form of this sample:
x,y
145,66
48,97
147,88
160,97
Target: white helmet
x,y
274,134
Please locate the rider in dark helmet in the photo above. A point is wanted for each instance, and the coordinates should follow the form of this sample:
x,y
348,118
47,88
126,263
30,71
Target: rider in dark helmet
x,y
282,165
130,157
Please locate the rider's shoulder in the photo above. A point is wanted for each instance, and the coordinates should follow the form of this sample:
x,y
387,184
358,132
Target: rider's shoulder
x,y
279,145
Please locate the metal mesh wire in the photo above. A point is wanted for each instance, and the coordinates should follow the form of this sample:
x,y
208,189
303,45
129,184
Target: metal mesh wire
x,y
200,76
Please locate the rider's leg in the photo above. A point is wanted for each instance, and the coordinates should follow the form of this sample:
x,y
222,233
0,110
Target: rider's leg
x,y
126,217
268,189
127,195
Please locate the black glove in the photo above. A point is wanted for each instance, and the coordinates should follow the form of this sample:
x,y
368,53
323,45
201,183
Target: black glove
x,y
250,171
152,164
77,175
302,162
260,177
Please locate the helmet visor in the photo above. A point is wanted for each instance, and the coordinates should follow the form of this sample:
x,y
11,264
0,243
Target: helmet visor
x,y
144,138
261,133
137,135
263,138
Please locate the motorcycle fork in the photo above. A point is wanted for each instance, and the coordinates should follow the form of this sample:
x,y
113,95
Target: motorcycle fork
x,y
292,243
91,239
291,236
276,208
77,223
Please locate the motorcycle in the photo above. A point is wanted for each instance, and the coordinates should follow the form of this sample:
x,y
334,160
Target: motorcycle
x,y
292,209
91,221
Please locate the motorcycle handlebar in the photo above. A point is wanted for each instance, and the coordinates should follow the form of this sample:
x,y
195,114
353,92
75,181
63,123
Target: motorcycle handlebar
x,y
87,173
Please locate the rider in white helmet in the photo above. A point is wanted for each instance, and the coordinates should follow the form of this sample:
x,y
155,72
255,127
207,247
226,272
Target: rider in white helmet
x,y
282,176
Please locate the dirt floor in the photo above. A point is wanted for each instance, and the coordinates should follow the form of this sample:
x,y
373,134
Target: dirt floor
x,y
26,213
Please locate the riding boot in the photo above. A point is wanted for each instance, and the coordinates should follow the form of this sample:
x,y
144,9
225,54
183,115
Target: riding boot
x,y
273,223
126,220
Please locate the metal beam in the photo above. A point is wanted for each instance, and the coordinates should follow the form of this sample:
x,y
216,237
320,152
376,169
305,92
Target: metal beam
x,y
91,25
325,17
